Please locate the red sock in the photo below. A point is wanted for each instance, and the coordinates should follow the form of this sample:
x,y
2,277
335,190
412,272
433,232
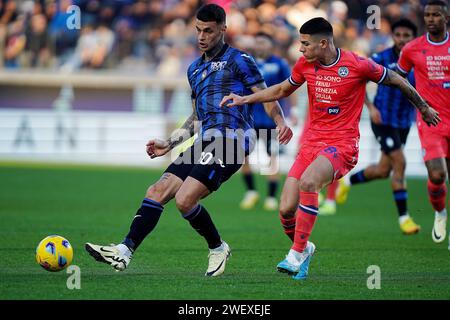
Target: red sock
x,y
306,216
331,192
288,226
436,195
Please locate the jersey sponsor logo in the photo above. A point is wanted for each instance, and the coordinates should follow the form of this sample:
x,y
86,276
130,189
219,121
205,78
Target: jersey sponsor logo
x,y
446,85
204,74
217,66
334,110
343,72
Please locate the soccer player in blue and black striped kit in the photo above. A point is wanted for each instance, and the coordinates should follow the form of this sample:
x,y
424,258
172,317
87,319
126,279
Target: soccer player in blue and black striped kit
x,y
274,70
391,117
214,157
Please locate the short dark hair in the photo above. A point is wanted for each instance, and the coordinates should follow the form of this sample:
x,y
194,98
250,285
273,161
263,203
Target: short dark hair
x,y
406,24
440,3
211,12
317,26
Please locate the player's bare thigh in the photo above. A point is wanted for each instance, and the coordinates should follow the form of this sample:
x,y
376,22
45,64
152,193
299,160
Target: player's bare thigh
x,y
188,195
317,175
165,188
437,170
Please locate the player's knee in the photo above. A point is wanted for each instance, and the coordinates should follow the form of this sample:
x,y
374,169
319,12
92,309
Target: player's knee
x,y
158,193
287,211
307,184
185,203
437,177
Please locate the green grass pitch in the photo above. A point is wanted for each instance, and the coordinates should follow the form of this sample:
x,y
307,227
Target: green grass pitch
x,y
97,204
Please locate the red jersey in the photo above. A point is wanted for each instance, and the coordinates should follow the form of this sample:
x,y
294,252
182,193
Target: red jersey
x,y
431,63
336,94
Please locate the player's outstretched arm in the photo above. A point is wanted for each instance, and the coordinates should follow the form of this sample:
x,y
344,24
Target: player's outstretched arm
x,y
158,147
274,111
272,93
429,115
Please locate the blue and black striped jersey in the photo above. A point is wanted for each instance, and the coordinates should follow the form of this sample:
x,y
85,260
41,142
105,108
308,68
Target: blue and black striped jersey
x,y
395,108
230,71
274,70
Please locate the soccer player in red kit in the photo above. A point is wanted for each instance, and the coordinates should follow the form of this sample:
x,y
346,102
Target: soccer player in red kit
x,y
336,87
429,55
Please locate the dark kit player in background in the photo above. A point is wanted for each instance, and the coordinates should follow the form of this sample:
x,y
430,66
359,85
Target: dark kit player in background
x,y
275,70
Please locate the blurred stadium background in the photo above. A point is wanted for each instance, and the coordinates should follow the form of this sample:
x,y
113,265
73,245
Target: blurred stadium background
x,y
98,93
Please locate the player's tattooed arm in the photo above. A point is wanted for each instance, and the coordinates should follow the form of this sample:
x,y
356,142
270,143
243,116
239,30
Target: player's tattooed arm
x,y
182,134
157,147
429,115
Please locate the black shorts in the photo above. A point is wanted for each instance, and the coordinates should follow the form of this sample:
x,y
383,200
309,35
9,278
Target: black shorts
x,y
210,162
270,137
390,138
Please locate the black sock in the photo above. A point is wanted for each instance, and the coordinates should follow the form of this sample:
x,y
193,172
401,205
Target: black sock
x,y
273,186
358,177
201,221
143,223
248,179
401,196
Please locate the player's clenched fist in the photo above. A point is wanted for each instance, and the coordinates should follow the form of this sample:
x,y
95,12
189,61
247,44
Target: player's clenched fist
x,y
157,148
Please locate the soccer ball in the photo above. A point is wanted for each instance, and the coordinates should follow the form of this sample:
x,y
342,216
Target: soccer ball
x,y
54,253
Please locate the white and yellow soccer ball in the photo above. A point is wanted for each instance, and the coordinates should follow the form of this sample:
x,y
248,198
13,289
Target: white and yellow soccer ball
x,y
54,253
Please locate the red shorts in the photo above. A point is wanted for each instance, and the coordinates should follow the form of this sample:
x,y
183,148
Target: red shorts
x,y
343,158
435,141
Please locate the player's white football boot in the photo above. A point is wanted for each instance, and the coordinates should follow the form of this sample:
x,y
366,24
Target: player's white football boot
x,y
305,260
251,197
114,255
439,229
294,265
290,265
217,259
